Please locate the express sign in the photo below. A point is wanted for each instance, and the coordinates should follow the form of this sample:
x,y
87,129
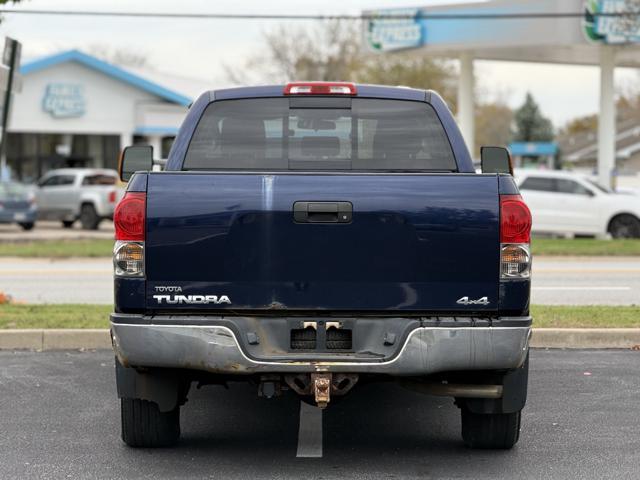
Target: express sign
x,y
64,100
386,34
612,29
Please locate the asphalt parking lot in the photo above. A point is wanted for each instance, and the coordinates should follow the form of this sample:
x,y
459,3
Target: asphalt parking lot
x,y
556,281
60,420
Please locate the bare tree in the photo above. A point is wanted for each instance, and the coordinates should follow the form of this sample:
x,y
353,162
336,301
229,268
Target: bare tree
x,y
333,50
411,69
493,124
327,51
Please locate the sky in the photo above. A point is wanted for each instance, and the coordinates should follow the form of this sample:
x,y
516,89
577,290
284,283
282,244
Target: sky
x,y
202,48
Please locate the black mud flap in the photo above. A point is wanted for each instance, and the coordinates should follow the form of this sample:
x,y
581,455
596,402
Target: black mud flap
x,y
514,394
164,387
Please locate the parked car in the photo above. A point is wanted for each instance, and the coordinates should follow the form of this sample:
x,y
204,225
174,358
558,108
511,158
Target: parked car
x,y
85,194
354,245
565,203
17,205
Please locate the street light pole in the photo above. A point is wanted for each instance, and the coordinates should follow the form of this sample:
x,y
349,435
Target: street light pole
x,y
11,58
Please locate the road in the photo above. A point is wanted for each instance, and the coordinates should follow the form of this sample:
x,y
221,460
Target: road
x,y
603,281
60,419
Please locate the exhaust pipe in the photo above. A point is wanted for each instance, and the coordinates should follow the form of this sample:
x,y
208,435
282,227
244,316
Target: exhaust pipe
x,y
456,390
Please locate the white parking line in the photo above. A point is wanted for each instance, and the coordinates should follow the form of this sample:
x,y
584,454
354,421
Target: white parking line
x,y
583,288
310,432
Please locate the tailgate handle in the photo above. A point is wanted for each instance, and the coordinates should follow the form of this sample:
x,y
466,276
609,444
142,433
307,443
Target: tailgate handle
x,y
322,212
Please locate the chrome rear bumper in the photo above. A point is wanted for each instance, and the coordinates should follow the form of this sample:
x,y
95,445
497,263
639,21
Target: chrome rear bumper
x,y
215,348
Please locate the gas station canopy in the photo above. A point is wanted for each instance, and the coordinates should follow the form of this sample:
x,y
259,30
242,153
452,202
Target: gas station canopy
x,y
591,32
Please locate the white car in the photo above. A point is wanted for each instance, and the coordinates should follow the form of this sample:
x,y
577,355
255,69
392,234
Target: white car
x,y
565,203
86,194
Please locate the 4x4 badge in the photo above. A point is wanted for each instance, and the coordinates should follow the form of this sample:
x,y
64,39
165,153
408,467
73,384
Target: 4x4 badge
x,y
466,301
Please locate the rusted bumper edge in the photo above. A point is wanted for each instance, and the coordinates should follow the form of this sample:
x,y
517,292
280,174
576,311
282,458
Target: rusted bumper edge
x,y
216,349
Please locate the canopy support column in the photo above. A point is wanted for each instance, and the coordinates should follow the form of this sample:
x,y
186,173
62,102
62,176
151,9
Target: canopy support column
x,y
126,140
156,142
466,102
607,117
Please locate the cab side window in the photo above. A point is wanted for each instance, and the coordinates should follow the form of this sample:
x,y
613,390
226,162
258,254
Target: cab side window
x,y
66,180
539,184
572,187
99,179
50,182
57,180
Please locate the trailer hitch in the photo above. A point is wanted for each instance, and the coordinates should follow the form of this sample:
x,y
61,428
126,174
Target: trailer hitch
x,y
322,385
321,388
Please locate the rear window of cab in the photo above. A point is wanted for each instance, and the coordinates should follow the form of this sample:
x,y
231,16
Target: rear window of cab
x,y
320,133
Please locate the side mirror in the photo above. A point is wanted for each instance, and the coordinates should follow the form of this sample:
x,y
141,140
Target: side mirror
x,y
137,158
496,160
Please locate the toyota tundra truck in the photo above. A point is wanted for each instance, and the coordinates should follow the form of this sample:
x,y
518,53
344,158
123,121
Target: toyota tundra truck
x,y
311,238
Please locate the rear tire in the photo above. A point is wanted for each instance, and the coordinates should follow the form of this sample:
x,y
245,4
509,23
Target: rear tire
x,y
624,226
490,431
27,225
144,425
89,217
67,224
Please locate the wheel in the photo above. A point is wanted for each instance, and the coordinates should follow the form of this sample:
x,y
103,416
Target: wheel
x,y
67,223
624,226
495,430
27,225
89,217
144,425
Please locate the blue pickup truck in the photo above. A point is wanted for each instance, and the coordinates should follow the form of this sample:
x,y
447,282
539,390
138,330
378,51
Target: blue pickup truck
x,y
313,237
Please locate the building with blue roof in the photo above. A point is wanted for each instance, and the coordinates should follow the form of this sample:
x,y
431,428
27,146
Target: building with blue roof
x,y
76,110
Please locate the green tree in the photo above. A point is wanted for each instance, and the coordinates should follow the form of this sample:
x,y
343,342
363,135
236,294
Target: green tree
x,y
530,124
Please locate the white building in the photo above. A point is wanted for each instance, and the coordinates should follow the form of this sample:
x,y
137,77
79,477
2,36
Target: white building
x,y
77,110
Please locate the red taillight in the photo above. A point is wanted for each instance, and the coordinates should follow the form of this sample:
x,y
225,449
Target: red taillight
x,y
320,88
515,220
129,217
112,197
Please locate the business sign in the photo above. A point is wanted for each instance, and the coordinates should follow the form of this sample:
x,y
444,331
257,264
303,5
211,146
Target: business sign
x,y
533,149
612,29
64,100
386,34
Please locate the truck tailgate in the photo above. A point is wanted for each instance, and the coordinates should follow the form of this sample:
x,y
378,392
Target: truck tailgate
x,y
415,242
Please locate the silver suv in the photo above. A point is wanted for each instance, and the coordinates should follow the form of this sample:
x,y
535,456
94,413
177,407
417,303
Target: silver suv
x,y
86,194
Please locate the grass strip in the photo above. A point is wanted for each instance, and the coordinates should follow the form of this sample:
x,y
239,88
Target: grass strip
x,y
585,247
589,316
97,316
58,248
54,316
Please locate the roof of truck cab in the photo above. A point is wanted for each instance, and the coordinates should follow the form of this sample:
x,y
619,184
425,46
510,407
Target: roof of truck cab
x,y
363,90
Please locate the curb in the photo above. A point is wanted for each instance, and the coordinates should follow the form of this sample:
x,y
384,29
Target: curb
x,y
97,339
55,339
585,337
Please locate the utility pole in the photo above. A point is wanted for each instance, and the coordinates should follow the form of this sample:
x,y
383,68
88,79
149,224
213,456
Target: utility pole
x,y
11,59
